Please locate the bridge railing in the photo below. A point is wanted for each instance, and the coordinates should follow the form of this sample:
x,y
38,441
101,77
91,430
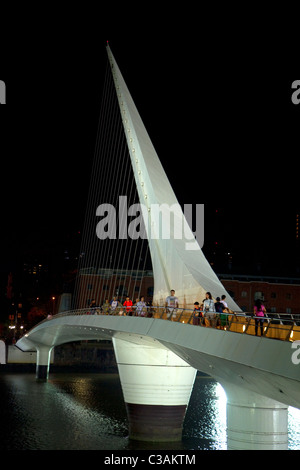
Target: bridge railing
x,y
284,327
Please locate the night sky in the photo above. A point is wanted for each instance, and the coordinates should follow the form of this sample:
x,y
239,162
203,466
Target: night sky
x,y
224,128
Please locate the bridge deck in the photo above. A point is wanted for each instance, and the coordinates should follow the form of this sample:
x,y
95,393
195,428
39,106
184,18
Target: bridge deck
x,y
284,327
262,365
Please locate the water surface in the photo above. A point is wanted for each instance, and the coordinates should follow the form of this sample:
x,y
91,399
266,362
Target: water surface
x,y
86,411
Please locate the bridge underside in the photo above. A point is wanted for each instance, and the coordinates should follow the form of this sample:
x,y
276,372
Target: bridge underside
x,y
261,365
157,371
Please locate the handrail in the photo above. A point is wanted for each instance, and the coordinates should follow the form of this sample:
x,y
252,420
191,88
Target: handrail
x,y
274,325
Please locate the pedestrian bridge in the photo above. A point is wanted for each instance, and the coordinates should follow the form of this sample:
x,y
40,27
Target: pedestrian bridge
x,y
158,357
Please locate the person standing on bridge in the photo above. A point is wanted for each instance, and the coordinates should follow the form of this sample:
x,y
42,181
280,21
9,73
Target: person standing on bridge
x,y
106,307
223,300
93,307
141,308
259,313
128,305
197,314
219,309
113,305
171,305
209,310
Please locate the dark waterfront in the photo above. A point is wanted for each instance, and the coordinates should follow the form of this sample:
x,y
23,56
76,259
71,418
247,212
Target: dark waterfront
x,y
85,411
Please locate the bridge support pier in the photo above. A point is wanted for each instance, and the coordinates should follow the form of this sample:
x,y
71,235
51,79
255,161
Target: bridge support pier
x,y
157,386
43,363
255,422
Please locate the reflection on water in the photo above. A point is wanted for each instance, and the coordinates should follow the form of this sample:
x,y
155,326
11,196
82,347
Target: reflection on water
x,y
71,411
205,422
86,411
294,429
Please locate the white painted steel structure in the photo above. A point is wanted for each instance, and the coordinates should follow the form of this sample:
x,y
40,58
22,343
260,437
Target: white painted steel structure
x,y
174,266
257,373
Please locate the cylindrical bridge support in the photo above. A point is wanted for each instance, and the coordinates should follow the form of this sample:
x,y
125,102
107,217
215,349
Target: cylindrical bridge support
x,y
157,386
43,363
255,422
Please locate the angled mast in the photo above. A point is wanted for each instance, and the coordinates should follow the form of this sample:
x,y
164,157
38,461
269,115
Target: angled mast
x,y
174,267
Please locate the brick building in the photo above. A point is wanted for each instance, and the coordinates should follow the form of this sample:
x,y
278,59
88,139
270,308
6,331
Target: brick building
x,y
280,295
101,284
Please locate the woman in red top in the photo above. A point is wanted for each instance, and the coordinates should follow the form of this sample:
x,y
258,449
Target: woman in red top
x,y
128,305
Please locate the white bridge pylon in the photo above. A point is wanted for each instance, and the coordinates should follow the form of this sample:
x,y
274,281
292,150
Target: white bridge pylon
x,y
174,266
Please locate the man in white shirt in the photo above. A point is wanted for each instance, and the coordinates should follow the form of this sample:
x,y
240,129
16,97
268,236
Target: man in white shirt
x,y
171,305
223,301
114,304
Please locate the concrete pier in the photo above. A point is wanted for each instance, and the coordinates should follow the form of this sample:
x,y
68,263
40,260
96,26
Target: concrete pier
x,y
255,422
157,386
43,363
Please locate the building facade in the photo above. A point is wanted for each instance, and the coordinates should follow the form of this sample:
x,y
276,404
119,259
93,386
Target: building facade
x,y
279,295
104,284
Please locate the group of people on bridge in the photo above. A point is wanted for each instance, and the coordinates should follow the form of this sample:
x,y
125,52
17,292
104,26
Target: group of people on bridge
x,y
215,314
209,313
139,309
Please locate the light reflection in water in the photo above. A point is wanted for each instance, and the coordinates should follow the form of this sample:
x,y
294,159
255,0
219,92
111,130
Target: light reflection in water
x,y
294,429
205,423
87,411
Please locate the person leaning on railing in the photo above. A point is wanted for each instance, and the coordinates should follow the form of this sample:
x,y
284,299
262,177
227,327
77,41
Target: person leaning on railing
x,y
259,312
220,309
223,317
172,304
209,311
141,308
197,314
106,307
128,305
114,306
